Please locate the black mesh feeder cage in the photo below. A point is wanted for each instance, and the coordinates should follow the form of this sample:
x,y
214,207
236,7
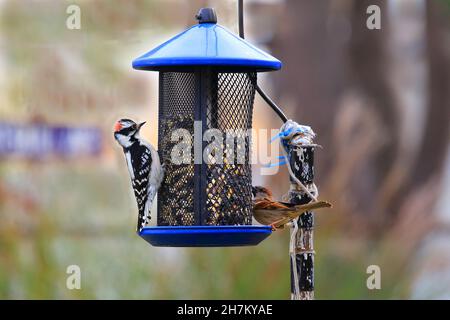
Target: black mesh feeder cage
x,y
207,82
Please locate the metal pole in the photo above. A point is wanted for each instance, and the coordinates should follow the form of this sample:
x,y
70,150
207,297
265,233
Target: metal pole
x,y
261,92
301,159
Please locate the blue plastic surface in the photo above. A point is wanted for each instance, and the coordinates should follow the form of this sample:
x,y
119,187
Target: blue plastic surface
x,y
205,236
207,44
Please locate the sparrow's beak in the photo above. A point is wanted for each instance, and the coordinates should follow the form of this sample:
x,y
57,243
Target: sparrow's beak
x,y
140,125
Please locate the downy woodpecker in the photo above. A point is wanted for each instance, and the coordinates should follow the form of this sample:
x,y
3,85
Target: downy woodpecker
x,y
143,165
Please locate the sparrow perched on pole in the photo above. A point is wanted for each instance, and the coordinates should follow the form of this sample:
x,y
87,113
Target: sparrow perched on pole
x,y
143,164
275,213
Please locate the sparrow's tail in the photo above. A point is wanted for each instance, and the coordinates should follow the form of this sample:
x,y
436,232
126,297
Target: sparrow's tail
x,y
299,209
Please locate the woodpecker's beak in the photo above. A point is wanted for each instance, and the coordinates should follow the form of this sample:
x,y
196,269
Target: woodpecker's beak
x,y
140,125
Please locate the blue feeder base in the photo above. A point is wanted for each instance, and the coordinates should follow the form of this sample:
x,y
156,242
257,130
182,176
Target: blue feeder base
x,y
205,236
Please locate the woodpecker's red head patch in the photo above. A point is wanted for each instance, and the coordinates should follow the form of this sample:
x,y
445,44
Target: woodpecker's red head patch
x,y
117,127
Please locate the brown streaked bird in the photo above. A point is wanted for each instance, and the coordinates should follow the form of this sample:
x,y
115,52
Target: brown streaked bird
x,y
275,213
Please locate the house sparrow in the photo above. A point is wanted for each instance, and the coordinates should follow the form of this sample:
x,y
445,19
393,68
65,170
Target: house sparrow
x,y
276,214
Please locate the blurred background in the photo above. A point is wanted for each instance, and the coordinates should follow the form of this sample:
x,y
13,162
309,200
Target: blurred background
x,y
378,99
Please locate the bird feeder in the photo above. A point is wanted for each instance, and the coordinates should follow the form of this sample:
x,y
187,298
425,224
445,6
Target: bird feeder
x,y
207,82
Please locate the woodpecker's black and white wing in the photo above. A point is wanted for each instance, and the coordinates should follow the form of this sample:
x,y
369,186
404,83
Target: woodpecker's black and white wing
x,y
141,162
155,177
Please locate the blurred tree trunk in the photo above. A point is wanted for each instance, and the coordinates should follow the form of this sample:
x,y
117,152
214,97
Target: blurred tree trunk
x,y
326,49
369,75
369,70
313,74
329,55
430,160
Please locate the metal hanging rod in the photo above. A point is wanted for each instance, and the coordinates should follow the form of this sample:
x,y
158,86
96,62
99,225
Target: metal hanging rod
x,y
261,92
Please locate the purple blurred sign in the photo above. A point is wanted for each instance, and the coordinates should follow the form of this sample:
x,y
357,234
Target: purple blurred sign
x,y
38,140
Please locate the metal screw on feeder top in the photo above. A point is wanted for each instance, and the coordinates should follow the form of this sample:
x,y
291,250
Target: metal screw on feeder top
x,y
207,80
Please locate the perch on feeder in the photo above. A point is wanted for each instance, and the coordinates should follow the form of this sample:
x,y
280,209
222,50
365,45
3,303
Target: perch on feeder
x,y
207,80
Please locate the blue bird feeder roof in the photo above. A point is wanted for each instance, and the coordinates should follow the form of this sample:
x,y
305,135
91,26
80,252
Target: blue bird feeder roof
x,y
207,44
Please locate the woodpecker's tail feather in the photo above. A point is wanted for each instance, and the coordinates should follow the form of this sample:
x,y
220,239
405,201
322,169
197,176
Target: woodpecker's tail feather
x,y
145,218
